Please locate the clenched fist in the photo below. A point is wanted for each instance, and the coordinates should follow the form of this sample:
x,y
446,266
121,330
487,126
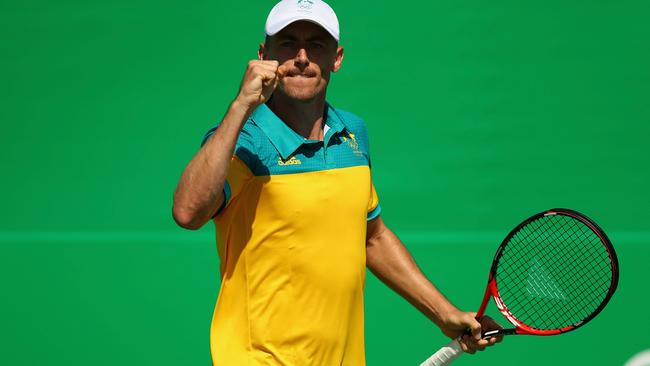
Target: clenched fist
x,y
259,82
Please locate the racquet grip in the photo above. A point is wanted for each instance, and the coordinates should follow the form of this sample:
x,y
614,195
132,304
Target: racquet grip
x,y
445,356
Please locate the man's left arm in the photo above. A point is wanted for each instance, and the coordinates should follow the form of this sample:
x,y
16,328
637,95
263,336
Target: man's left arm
x,y
392,263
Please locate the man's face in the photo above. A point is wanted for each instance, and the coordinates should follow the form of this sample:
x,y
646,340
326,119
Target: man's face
x,y
307,54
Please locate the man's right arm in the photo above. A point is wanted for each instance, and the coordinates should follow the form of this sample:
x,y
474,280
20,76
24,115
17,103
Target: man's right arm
x,y
199,192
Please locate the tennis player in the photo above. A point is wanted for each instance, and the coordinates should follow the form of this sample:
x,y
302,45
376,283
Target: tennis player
x,y
285,177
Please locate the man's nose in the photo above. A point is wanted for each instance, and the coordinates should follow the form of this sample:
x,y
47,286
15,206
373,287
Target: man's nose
x,y
301,57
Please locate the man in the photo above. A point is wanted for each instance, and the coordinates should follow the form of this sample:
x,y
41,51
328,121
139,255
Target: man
x,y
286,179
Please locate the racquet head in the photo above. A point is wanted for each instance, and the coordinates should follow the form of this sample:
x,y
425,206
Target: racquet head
x,y
553,273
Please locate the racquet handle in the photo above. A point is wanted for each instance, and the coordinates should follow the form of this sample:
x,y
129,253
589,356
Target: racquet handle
x,y
445,356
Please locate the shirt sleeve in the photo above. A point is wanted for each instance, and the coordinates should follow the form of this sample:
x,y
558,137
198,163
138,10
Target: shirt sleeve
x,y
239,172
374,209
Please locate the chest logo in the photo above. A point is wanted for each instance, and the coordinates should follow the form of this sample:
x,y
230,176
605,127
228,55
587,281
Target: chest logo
x,y
291,161
353,144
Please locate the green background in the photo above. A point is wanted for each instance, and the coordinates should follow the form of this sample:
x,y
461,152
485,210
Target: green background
x,y
480,114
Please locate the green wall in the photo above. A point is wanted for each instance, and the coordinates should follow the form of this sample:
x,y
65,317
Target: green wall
x,y
479,114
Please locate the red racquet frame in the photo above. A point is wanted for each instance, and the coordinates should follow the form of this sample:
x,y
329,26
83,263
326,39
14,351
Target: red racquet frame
x,y
492,289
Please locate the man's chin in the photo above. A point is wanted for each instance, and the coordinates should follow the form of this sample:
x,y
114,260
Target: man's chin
x,y
301,94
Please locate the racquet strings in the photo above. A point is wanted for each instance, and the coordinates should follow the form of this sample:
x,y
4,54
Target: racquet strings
x,y
554,272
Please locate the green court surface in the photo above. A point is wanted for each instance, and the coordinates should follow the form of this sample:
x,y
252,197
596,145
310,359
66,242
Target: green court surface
x,y
479,115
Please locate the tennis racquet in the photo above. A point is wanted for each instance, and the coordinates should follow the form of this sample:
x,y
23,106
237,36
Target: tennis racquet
x,y
553,273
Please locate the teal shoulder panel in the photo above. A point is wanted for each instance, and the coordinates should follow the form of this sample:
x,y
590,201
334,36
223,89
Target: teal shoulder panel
x,y
345,148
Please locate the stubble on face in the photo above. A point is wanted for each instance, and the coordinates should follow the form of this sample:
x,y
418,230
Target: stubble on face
x,y
302,88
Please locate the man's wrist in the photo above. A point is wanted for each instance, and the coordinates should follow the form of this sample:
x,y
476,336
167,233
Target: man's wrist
x,y
442,312
239,112
242,107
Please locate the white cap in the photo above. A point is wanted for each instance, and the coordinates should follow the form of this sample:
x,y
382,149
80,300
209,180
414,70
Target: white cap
x,y
288,11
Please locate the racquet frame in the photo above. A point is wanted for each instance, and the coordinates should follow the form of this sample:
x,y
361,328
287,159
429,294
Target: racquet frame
x,y
492,289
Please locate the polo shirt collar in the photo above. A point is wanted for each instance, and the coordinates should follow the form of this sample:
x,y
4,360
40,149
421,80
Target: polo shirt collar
x,y
333,119
283,138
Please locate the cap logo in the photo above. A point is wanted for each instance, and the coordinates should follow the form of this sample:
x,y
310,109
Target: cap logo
x,y
305,4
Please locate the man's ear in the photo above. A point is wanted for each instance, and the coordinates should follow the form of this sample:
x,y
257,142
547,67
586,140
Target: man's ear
x,y
339,59
261,52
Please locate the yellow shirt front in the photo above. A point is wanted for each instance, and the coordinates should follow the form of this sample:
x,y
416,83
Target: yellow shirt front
x,y
291,239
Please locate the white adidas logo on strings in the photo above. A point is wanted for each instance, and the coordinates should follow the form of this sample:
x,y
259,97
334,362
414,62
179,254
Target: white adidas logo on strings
x,y
540,283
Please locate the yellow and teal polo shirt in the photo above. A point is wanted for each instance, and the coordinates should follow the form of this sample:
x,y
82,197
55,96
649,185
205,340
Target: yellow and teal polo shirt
x,y
291,238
